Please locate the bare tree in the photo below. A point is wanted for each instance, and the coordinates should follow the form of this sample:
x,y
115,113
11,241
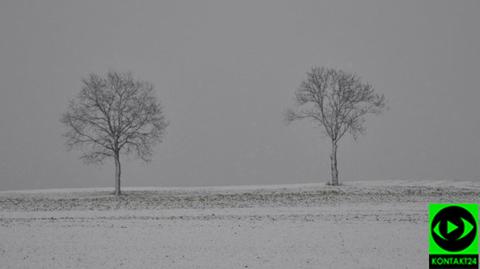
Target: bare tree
x,y
114,115
339,102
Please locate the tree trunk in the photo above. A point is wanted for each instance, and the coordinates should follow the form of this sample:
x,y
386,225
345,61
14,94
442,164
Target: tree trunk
x,y
118,172
333,164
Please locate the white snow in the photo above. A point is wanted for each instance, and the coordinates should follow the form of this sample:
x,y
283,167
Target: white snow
x,y
360,225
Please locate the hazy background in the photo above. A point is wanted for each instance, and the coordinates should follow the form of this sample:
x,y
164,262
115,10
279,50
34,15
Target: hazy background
x,y
226,70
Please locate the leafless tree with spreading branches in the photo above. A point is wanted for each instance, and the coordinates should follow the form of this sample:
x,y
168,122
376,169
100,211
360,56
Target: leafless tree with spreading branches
x,y
114,115
338,101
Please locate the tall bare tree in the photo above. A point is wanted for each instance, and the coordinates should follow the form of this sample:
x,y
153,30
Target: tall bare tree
x,y
338,101
114,115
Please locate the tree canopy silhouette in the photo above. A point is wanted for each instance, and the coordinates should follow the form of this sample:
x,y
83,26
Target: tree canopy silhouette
x,y
114,115
338,101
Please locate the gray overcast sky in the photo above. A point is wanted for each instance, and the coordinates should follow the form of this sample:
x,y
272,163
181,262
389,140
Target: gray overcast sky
x,y
226,70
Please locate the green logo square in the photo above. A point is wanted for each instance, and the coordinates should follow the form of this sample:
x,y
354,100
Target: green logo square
x,y
453,229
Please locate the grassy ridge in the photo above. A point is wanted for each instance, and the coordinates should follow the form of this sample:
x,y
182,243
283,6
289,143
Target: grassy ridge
x,y
163,199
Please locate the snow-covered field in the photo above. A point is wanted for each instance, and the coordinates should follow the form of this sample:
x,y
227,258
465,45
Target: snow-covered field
x,y
359,225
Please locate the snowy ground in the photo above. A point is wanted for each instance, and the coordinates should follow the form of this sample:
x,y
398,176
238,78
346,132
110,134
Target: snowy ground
x,y
359,225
